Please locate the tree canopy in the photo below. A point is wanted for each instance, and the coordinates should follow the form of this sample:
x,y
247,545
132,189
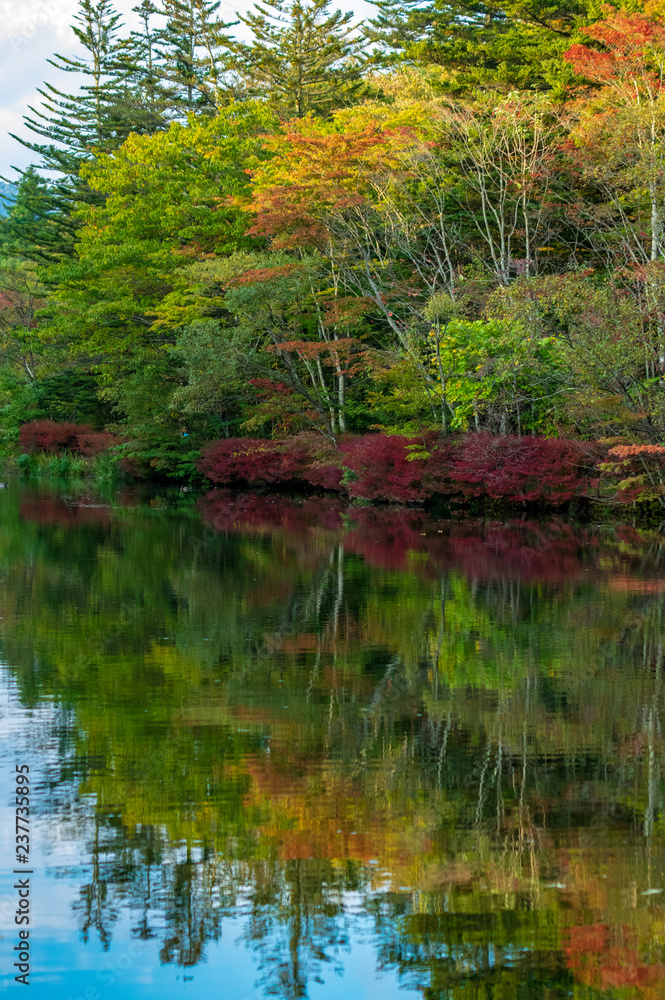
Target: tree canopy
x,y
450,217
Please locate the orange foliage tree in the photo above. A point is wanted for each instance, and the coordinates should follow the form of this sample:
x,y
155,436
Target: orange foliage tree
x,y
620,138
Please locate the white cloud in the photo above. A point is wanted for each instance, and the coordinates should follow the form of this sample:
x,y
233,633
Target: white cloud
x,y
23,68
19,22
11,152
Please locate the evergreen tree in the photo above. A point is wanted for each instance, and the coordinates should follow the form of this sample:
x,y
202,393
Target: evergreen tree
x,y
399,26
39,227
478,44
122,93
73,125
30,230
196,55
143,98
305,59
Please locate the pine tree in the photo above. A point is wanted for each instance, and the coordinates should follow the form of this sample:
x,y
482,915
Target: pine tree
x,y
30,230
196,55
478,44
305,59
122,93
143,99
74,125
399,26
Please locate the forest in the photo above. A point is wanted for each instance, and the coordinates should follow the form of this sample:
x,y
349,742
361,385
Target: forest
x,y
419,255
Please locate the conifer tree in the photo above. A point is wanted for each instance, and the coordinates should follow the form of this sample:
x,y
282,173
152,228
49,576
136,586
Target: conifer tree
x,y
305,59
503,46
122,93
73,125
196,55
145,98
29,229
70,127
399,26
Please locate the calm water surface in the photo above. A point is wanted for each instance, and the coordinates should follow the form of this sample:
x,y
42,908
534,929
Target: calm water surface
x,y
296,750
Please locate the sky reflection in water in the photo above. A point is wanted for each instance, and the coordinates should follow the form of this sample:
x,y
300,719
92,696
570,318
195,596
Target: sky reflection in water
x,y
289,749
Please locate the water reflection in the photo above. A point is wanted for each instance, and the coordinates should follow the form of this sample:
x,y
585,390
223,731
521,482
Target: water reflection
x,y
335,727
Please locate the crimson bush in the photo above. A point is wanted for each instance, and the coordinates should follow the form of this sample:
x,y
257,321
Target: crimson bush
x,y
94,442
399,469
537,470
50,436
251,460
47,435
391,467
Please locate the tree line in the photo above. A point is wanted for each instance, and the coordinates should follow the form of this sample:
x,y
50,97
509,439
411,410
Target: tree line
x,y
447,218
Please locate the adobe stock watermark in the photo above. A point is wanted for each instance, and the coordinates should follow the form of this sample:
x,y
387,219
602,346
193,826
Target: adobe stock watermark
x,y
125,960
27,18
113,970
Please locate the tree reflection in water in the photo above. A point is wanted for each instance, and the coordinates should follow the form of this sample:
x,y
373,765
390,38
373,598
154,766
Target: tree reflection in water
x,y
333,725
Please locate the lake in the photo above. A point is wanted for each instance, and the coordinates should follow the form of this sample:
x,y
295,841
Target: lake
x,y
281,748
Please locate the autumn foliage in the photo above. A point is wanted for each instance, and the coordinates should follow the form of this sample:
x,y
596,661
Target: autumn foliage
x,y
53,437
399,469
247,460
314,174
531,469
636,470
629,46
305,457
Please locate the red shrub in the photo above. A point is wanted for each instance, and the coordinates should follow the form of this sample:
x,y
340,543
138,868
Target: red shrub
x,y
391,467
400,469
324,465
541,470
250,460
241,460
47,435
94,442
50,436
378,464
328,477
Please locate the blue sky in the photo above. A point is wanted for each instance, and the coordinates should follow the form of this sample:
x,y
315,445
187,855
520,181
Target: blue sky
x,y
30,32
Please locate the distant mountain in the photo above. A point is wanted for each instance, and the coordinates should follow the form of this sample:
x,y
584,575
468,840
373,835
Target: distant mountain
x,y
8,192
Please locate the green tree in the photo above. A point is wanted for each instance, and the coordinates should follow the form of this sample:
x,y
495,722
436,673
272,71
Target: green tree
x,y
505,46
71,126
144,99
303,58
196,55
301,358
608,339
33,228
122,302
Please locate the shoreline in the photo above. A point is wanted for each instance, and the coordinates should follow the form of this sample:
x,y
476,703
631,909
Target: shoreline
x,y
472,474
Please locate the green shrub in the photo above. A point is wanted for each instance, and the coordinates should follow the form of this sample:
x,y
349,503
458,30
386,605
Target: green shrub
x,y
26,464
